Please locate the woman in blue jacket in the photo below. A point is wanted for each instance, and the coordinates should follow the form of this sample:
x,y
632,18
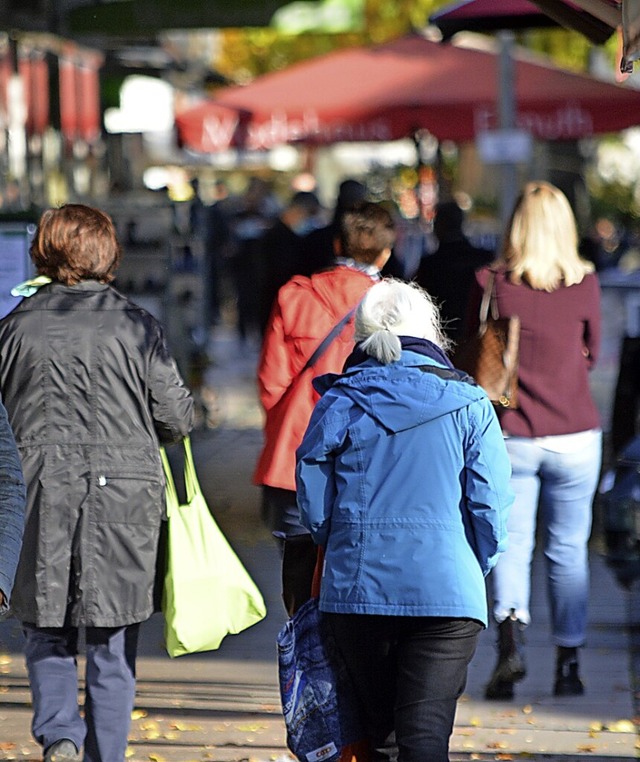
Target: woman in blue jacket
x,y
403,478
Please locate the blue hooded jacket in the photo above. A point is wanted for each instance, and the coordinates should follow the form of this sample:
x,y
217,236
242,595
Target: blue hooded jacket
x,y
403,477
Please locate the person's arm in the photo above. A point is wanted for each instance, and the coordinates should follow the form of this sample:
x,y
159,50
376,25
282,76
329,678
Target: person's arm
x,y
274,366
488,493
170,401
12,508
315,479
593,323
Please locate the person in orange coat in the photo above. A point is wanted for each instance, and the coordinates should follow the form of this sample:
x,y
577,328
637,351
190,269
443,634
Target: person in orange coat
x,y
310,332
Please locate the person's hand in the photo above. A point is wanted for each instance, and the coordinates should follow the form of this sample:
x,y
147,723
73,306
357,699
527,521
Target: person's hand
x,y
2,599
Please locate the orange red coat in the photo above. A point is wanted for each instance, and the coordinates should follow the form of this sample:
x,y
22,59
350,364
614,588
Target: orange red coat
x,y
305,311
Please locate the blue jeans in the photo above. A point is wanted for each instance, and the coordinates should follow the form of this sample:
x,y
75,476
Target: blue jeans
x,y
51,656
562,486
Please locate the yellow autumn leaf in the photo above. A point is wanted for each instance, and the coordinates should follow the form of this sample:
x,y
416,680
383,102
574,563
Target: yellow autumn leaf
x,y
183,726
156,758
527,709
129,752
253,728
586,747
497,745
138,714
5,659
595,727
171,736
475,722
621,726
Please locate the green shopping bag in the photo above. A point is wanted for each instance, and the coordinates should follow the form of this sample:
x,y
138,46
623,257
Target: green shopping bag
x,y
207,593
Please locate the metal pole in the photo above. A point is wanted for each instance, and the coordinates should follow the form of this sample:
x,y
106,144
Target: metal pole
x,y
507,120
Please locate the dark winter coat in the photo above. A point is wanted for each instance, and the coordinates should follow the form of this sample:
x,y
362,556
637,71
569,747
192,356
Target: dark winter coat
x,y
90,389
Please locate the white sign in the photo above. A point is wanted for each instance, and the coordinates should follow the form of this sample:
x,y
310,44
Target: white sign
x,y
504,146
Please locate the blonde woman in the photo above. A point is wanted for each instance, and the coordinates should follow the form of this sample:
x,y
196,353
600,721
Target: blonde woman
x,y
553,437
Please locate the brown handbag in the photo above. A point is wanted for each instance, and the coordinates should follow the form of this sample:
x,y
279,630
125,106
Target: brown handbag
x,y
490,355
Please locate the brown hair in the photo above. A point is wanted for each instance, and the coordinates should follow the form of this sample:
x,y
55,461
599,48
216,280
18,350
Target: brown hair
x,y
366,231
75,243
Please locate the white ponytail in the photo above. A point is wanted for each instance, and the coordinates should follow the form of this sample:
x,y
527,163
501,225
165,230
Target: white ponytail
x,y
393,308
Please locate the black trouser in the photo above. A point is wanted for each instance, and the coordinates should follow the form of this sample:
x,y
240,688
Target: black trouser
x,y
408,673
280,514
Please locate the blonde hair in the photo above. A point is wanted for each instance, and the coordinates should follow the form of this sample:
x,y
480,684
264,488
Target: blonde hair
x,y
393,308
541,242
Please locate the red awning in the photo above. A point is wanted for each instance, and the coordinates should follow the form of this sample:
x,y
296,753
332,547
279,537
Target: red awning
x,y
391,91
492,15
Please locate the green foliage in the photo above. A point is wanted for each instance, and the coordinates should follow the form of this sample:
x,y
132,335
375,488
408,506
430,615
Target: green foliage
x,y
613,200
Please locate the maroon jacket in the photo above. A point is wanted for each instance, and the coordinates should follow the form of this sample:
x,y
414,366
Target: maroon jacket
x,y
559,344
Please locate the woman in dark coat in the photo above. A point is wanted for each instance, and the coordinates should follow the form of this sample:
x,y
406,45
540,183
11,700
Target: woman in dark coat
x,y
91,390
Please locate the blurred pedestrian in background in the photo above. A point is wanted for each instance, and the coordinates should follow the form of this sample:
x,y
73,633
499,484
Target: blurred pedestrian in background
x,y
257,212
448,273
403,479
553,437
310,332
282,248
91,390
12,505
216,239
319,249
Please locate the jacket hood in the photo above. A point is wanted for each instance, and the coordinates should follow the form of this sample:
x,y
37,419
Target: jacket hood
x,y
400,396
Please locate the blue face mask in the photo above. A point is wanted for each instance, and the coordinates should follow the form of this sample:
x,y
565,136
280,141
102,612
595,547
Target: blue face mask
x,y
304,227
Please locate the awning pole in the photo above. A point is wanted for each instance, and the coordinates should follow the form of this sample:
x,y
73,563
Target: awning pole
x,y
507,119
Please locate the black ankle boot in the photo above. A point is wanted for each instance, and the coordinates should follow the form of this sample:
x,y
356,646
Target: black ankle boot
x,y
568,682
510,667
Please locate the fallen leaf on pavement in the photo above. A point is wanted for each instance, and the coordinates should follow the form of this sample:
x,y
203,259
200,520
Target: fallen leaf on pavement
x,y
621,726
183,726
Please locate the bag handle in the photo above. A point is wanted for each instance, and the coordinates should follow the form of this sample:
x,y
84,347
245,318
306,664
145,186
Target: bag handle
x,y
170,485
191,485
488,299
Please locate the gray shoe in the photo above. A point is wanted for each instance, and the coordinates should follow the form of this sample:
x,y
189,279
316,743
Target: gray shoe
x,y
62,751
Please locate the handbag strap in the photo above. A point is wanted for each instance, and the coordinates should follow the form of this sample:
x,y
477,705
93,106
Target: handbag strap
x,y
325,343
192,487
170,485
489,299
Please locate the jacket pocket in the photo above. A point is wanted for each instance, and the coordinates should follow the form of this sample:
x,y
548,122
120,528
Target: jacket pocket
x,y
128,498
